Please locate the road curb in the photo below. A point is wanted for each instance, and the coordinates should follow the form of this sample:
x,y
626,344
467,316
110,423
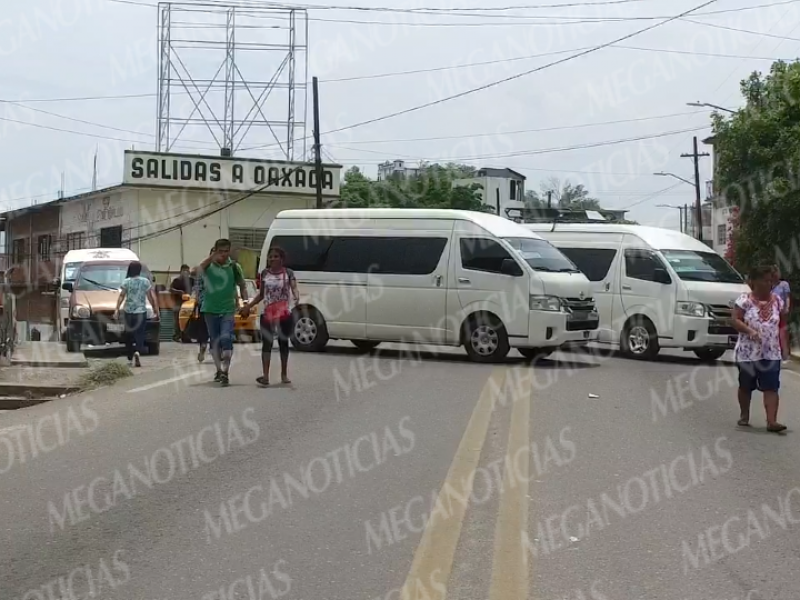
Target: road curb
x,y
19,395
48,364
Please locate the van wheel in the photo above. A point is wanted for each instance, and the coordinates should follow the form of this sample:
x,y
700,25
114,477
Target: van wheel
x,y
365,345
535,353
154,348
72,345
309,334
710,354
486,340
639,339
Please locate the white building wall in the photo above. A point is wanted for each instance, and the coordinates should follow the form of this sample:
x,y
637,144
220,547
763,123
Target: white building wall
x,y
719,219
88,216
494,187
189,242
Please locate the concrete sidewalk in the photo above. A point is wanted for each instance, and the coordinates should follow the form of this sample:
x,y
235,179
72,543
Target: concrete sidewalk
x,y
48,355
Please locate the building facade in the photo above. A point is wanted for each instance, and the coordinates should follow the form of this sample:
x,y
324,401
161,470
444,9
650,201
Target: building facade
x,y
169,209
502,189
33,263
398,169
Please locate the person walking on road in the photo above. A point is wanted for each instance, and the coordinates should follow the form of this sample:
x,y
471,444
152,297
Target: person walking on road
x,y
198,316
221,277
180,286
782,290
757,316
278,284
135,291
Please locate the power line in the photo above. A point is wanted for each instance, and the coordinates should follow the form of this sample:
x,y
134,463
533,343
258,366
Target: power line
x,y
537,130
549,150
515,19
653,195
85,122
418,71
519,75
740,30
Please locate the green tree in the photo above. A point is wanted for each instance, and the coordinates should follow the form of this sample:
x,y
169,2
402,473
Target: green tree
x,y
758,151
357,190
434,187
568,195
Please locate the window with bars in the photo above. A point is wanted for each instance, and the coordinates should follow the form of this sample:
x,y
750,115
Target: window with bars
x,y
18,250
722,234
44,243
75,241
252,239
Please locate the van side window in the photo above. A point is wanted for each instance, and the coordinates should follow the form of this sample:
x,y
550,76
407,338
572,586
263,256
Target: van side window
x,y
593,262
482,254
641,264
304,253
351,254
407,256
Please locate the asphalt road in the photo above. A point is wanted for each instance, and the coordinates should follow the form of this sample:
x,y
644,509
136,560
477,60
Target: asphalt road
x,y
583,478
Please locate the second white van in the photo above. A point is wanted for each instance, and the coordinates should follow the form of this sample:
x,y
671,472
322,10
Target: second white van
x,y
438,277
655,288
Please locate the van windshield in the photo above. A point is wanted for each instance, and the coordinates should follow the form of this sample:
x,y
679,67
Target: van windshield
x,y
107,277
690,265
541,255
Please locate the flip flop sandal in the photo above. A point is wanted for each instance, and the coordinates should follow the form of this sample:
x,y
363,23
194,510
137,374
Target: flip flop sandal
x,y
777,428
743,422
286,381
262,381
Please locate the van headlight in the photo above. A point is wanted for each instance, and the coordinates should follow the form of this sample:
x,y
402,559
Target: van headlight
x,y
548,303
690,309
81,312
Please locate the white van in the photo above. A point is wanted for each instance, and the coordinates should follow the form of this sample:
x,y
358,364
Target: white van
x,y
69,267
654,288
439,277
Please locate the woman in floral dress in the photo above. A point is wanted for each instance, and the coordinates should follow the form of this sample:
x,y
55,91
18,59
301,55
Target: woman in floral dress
x,y
757,318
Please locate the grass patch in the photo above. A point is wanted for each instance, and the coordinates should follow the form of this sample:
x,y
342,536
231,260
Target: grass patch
x,y
105,374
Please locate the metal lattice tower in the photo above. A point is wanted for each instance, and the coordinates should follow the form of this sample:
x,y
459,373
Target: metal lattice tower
x,y
206,104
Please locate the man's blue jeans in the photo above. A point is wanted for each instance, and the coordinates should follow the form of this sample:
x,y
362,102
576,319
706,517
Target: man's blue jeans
x,y
220,333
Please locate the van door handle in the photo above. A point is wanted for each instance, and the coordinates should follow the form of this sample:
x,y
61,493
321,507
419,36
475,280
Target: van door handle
x,y
626,287
438,280
607,287
463,280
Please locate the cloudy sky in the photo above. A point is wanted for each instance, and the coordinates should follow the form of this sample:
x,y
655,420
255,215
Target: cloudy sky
x,y
80,77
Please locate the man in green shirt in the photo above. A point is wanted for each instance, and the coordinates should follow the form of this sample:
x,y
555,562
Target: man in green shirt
x,y
221,276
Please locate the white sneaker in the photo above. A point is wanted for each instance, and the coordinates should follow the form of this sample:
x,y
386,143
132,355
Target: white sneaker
x,y
130,363
137,360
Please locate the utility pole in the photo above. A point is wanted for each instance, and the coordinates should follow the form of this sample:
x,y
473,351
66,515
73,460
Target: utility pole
x,y
695,156
317,144
550,199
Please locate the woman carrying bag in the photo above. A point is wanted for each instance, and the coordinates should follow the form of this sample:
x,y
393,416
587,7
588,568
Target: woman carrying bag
x,y
278,286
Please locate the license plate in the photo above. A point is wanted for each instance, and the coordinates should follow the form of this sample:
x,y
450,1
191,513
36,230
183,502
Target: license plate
x,y
732,339
115,327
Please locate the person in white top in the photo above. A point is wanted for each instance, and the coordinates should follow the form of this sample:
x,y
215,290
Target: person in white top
x,y
757,317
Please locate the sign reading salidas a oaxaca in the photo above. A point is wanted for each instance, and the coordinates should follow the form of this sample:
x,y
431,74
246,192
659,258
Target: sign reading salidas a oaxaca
x,y
227,174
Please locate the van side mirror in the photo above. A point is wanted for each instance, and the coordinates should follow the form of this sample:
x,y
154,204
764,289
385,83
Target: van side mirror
x,y
67,287
510,267
661,276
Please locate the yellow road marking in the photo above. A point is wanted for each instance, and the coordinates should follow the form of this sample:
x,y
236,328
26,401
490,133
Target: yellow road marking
x,y
509,569
433,560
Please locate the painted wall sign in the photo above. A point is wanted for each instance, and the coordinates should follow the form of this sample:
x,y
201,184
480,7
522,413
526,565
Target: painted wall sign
x,y
188,171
